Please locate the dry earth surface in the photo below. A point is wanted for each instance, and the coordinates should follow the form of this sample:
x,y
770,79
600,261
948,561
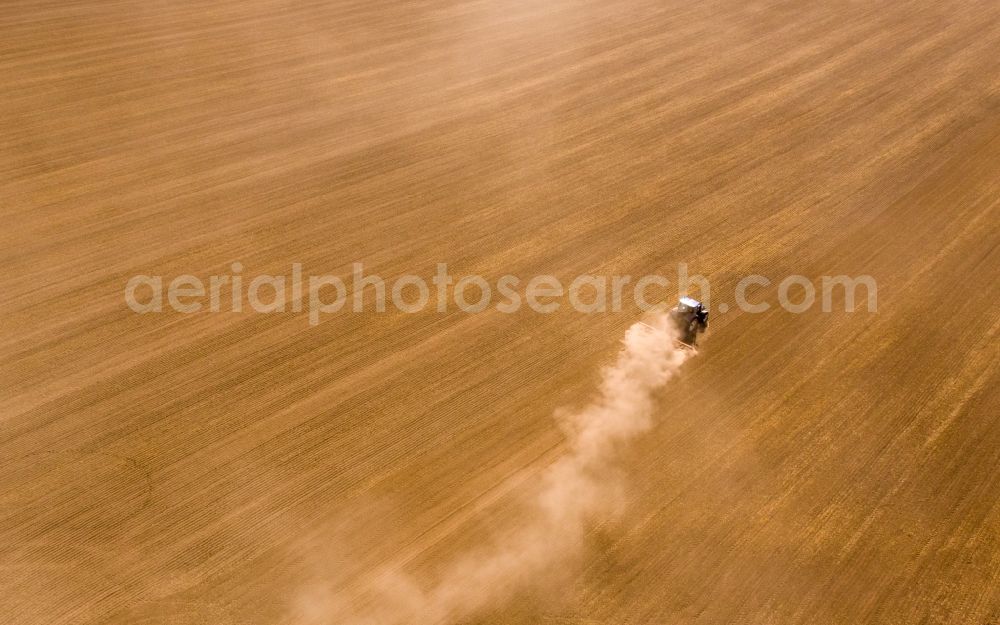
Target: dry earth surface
x,y
217,468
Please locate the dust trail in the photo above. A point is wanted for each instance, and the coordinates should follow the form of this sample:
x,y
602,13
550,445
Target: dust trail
x,y
580,489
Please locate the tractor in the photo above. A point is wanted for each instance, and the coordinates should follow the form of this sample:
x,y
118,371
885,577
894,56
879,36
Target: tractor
x,y
691,318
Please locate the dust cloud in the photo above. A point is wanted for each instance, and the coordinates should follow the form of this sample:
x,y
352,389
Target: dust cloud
x,y
580,489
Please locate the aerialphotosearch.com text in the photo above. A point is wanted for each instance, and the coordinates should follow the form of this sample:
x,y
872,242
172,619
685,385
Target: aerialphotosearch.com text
x,y
364,292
